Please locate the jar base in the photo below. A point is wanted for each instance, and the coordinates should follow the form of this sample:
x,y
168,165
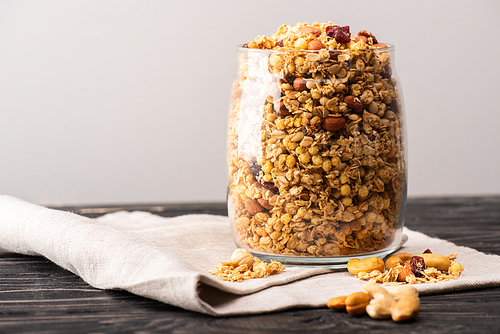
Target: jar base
x,y
334,262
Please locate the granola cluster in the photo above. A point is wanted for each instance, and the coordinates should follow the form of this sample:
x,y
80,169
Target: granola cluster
x,y
228,271
315,36
315,147
392,276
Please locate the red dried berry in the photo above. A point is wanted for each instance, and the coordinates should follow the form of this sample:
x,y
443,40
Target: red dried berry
x,y
427,251
279,43
342,36
394,106
269,186
245,45
346,29
387,72
330,30
255,169
417,264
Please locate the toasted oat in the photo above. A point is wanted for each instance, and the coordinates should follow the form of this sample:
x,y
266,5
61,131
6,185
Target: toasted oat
x,y
227,271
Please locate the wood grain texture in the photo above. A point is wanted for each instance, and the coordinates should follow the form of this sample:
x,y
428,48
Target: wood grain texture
x,y
37,296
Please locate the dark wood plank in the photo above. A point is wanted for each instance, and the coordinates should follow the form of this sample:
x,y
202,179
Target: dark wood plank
x,y
466,221
37,296
165,210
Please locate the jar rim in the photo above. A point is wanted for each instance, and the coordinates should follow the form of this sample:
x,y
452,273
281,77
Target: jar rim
x,y
389,47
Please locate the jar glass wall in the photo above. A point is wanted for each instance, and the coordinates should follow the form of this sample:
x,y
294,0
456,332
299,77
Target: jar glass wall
x,y
316,155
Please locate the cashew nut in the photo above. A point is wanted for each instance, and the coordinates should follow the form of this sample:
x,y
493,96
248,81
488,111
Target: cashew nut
x,y
373,289
380,306
337,303
401,290
240,257
356,303
406,308
383,303
401,303
437,261
355,266
400,258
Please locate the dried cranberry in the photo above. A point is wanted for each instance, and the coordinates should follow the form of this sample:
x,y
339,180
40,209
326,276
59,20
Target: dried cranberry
x,y
330,30
269,186
427,251
387,72
279,43
346,29
417,264
245,45
342,36
255,169
394,106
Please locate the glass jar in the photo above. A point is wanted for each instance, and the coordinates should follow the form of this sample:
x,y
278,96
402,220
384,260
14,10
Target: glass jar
x,y
316,155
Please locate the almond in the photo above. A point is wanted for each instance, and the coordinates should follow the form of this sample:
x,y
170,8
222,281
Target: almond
x,y
310,30
265,203
333,123
253,206
299,84
353,102
315,45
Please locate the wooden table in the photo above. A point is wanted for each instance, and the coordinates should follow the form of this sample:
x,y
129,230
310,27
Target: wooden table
x,y
37,296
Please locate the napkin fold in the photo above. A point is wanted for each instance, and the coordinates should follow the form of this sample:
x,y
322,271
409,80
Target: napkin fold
x,y
167,259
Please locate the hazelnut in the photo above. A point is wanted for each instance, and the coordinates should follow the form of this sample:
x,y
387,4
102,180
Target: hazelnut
x,y
333,123
299,84
282,109
353,102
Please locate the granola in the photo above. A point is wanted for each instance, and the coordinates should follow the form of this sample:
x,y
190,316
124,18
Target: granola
x,y
392,276
315,143
228,271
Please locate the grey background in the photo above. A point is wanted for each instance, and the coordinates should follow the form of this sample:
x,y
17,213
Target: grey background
x,y
126,101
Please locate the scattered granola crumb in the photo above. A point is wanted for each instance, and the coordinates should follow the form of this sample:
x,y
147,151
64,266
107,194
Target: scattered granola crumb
x,y
393,276
229,271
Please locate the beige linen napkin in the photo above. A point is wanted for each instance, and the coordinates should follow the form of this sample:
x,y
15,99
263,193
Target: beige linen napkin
x,y
167,259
